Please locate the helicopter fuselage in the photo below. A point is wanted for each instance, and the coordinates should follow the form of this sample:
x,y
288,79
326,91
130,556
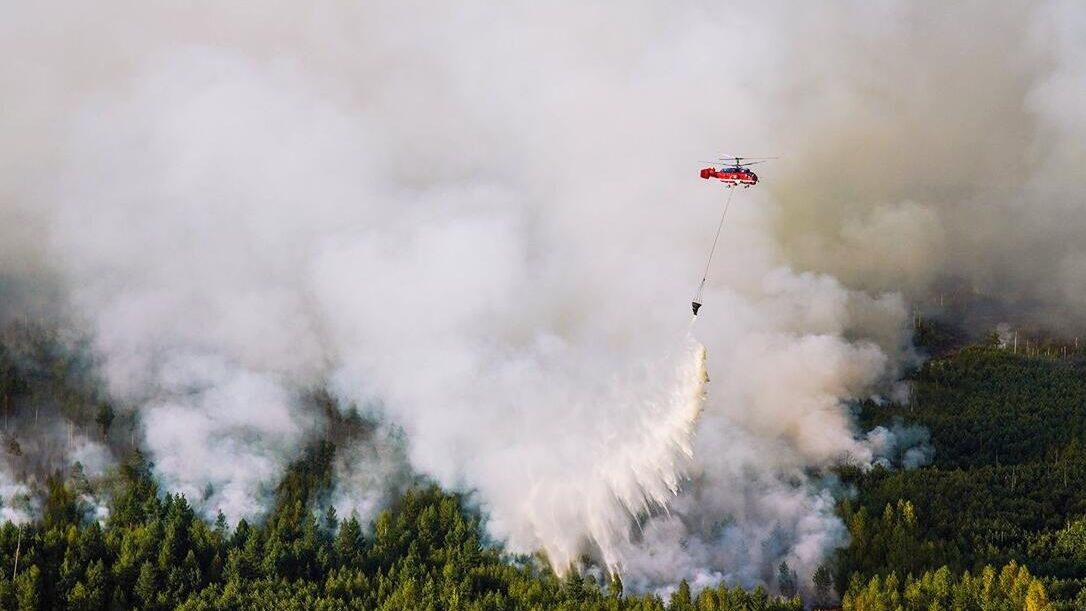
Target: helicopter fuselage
x,y
731,176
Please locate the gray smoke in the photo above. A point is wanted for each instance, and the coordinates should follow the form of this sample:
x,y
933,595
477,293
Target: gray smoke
x,y
483,224
943,152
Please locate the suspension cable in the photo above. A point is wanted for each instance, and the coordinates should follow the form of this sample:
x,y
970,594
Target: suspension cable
x,y
712,251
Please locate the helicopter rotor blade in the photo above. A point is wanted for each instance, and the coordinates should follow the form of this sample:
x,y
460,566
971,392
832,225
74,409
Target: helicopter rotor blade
x,y
738,160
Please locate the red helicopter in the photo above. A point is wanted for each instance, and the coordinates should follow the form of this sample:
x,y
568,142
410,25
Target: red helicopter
x,y
734,172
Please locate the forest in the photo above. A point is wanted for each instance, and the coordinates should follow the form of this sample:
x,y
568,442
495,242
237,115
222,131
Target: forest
x,y
996,521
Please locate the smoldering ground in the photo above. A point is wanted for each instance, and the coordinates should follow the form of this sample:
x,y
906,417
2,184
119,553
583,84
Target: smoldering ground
x,y
482,223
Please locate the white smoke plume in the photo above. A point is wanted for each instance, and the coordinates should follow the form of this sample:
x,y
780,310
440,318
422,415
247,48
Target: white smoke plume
x,y
369,472
901,444
222,436
16,503
484,223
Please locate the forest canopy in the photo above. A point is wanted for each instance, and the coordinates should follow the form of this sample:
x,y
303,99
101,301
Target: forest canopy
x,y
998,520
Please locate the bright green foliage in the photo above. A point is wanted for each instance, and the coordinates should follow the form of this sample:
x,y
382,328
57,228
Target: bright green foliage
x,y
1011,588
1009,432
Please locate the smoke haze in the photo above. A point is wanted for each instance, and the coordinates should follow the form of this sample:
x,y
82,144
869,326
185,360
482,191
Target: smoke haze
x,y
481,224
